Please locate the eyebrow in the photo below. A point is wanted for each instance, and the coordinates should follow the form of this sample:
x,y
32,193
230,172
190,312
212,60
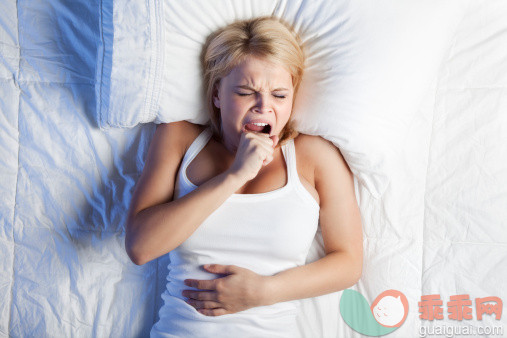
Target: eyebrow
x,y
250,88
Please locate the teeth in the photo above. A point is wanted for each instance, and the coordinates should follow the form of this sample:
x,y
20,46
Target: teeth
x,y
260,124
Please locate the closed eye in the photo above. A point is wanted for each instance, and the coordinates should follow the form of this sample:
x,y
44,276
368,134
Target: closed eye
x,y
277,96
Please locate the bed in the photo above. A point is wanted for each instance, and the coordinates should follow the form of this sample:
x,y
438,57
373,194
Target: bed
x,y
440,226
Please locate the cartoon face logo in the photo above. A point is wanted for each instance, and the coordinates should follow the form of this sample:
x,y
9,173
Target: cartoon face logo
x,y
386,314
390,308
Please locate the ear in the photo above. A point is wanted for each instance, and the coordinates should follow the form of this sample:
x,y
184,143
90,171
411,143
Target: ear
x,y
216,98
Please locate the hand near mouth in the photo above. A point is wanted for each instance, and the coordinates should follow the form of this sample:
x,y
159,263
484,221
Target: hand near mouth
x,y
264,132
254,151
275,139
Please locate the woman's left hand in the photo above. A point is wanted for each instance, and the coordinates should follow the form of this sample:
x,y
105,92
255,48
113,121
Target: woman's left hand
x,y
241,289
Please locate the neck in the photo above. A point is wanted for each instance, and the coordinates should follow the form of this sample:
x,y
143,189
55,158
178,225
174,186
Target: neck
x,y
230,149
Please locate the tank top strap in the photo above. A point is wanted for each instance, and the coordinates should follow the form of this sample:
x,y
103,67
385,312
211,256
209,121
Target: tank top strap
x,y
200,141
289,151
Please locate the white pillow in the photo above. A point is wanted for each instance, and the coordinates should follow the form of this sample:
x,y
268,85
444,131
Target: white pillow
x,y
369,63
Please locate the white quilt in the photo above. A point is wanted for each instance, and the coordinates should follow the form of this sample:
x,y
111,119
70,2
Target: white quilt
x,y
65,185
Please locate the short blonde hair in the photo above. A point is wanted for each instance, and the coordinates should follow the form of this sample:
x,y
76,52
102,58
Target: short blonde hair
x,y
266,37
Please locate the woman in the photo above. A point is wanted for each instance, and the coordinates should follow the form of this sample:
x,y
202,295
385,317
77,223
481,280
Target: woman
x,y
232,195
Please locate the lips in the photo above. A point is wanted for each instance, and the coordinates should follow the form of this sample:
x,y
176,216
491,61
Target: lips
x,y
248,126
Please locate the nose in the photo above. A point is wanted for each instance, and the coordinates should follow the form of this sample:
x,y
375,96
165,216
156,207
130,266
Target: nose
x,y
262,104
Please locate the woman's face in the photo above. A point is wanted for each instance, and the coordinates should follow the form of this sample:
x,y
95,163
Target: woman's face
x,y
257,90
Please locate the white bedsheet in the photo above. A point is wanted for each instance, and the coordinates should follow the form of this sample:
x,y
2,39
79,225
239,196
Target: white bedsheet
x,y
65,186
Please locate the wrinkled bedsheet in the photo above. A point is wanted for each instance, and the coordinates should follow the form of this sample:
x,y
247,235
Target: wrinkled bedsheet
x,y
65,186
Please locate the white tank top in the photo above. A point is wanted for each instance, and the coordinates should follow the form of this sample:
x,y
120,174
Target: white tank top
x,y
266,233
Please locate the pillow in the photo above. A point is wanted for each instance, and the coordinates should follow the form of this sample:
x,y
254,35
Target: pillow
x,y
369,63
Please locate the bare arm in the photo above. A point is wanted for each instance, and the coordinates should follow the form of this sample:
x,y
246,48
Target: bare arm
x,y
156,224
159,229
340,222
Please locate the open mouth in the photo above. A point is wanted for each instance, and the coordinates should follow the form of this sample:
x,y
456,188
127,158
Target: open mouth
x,y
258,127
267,129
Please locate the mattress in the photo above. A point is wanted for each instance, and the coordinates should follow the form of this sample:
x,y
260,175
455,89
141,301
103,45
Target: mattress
x,y
65,185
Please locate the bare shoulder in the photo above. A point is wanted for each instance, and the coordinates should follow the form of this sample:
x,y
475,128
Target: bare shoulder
x,y
329,168
179,134
311,142
319,152
167,148
305,145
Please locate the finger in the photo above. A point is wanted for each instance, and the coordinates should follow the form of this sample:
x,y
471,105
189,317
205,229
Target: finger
x,y
264,141
201,284
213,312
257,133
267,160
200,295
220,268
261,136
275,140
203,304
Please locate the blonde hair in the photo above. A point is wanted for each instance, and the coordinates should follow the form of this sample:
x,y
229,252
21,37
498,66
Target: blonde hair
x,y
266,37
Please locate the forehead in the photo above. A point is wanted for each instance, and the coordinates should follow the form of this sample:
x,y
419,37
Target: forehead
x,y
256,71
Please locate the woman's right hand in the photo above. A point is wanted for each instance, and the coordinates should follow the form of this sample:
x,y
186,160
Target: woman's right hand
x,y
255,150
